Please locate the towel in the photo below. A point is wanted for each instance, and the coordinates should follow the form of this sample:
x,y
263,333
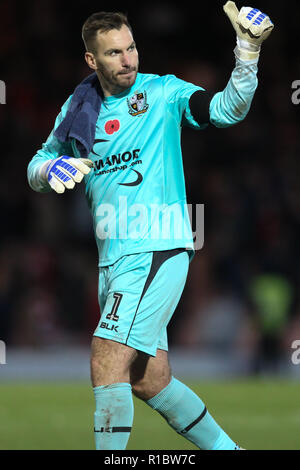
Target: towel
x,y
81,117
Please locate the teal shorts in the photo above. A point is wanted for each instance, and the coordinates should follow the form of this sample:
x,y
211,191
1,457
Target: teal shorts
x,y
138,296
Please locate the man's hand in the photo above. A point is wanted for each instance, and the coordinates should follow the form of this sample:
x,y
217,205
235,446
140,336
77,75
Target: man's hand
x,y
64,172
252,28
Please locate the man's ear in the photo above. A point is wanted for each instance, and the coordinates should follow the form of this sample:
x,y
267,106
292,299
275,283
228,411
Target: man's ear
x,y
90,60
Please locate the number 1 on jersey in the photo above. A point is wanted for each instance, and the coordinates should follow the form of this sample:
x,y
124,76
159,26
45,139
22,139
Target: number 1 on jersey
x,y
113,314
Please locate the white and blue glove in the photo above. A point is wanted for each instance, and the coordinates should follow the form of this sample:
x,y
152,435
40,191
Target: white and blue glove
x,y
64,172
252,28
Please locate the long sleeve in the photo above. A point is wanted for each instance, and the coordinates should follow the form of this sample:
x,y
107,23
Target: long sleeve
x,y
51,149
231,105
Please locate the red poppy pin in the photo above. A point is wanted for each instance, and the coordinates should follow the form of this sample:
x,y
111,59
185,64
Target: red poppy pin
x,y
112,126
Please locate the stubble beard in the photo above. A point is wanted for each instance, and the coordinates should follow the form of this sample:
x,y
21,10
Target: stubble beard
x,y
116,83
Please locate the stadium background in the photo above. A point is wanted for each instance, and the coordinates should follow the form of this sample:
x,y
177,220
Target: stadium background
x,y
240,311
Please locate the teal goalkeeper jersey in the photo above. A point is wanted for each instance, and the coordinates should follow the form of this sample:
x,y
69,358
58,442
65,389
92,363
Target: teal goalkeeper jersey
x,y
136,188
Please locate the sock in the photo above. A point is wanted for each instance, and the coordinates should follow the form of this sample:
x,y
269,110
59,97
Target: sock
x,y
113,417
186,413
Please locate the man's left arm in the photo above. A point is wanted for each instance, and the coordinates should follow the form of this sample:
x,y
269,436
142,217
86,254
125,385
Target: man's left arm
x,y
231,105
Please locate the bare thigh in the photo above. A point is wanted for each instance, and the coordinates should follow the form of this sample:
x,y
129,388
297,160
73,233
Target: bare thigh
x,y
110,362
113,362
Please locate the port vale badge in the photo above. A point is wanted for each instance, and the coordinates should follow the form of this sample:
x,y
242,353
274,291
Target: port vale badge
x,y
137,104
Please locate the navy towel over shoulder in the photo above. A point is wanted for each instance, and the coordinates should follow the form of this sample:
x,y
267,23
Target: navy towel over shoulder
x,y
80,120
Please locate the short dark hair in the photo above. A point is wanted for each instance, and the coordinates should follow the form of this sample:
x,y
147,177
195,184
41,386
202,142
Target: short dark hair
x,y
102,21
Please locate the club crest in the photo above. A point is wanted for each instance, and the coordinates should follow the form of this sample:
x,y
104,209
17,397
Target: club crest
x,y
137,104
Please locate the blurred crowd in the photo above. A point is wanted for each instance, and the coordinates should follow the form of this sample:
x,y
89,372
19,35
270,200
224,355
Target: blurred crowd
x,y
241,296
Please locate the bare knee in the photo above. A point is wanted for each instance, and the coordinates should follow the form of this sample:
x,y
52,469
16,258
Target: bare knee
x,y
148,376
110,362
148,387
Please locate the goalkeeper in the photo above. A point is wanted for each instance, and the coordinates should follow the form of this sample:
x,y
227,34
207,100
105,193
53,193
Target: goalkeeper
x,y
120,132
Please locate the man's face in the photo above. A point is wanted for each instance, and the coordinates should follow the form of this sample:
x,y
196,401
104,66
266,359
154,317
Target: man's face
x,y
115,60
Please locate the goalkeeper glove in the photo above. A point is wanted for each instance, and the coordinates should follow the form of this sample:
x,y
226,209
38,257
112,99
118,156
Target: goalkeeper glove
x,y
252,28
64,172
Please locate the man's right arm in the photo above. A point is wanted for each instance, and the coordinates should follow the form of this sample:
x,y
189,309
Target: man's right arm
x,y
50,150
55,166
